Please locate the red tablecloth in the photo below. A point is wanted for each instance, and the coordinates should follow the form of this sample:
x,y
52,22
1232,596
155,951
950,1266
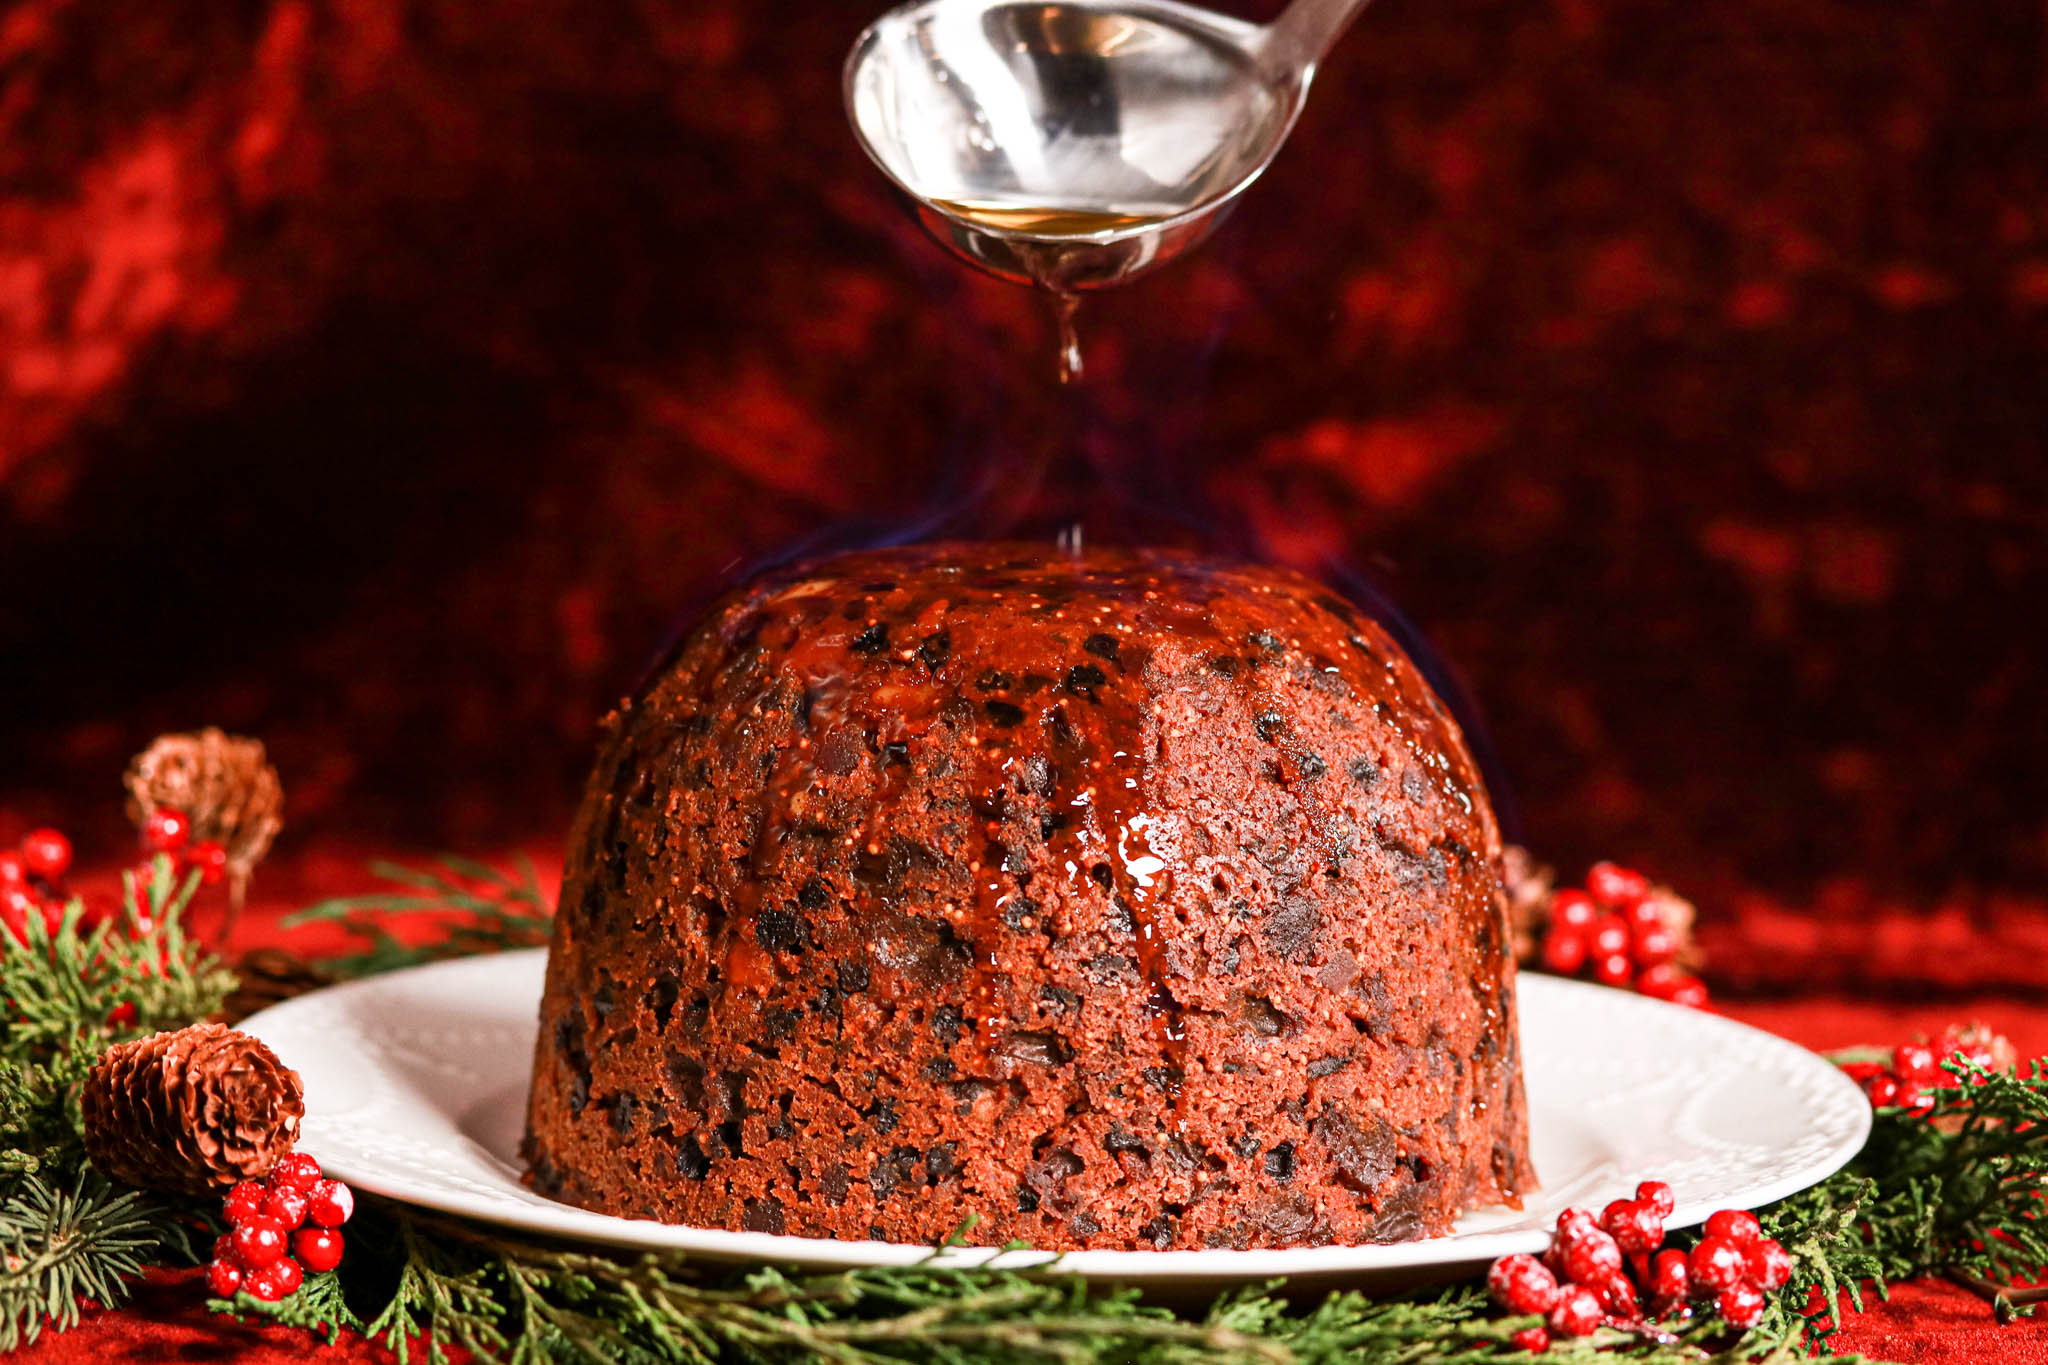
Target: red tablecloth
x,y
1931,1322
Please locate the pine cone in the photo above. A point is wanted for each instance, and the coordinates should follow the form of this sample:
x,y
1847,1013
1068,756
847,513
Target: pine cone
x,y
225,786
267,976
190,1112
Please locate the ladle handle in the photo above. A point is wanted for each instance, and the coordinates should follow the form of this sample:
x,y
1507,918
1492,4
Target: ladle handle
x,y
1306,30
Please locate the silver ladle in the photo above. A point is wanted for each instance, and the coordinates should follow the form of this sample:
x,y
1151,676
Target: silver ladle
x,y
1075,145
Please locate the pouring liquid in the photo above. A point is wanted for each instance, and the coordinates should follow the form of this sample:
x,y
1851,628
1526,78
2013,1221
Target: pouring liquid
x,y
1057,234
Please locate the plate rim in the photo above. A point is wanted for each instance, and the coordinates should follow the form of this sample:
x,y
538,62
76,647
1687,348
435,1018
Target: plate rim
x,y
1219,1264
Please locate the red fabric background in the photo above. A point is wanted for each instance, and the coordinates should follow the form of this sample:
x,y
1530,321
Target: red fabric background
x,y
1931,1322
384,377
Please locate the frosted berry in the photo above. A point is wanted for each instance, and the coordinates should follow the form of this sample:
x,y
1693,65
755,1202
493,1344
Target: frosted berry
x,y
224,1278
1634,1226
275,1280
45,853
1770,1265
330,1204
258,1243
166,830
1573,910
224,1247
13,871
285,1206
1691,993
211,858
1916,1064
1717,1263
1591,1258
245,1201
1616,886
1741,1304
1615,969
1618,1297
1736,1225
320,1248
1575,1223
1534,1340
1564,951
1670,1282
1658,1196
1608,938
1520,1284
1577,1313
295,1169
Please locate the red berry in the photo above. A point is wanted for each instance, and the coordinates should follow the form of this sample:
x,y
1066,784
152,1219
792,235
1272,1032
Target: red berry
x,y
1742,1305
1735,1225
1916,1063
122,1015
1669,1280
320,1248
1883,1089
211,858
1520,1284
1534,1340
1634,1226
224,1248
16,905
290,1272
1770,1265
1717,1263
1577,1313
53,917
330,1203
1564,951
45,853
245,1201
1645,914
13,871
1591,1257
1574,1223
1658,1196
1608,937
1615,969
295,1169
1615,886
1618,1297
285,1206
1691,993
275,1280
1655,945
1573,910
166,830
224,1278
258,1242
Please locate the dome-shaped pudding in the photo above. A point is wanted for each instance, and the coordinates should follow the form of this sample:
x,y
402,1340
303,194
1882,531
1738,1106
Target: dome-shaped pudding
x,y
1121,900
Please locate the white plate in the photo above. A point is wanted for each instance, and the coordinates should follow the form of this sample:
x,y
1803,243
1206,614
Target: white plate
x,y
416,1089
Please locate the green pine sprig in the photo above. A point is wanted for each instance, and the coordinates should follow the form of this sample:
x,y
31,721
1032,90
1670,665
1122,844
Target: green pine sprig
x,y
82,1241
469,907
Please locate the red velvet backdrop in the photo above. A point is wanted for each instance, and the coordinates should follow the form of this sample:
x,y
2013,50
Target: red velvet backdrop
x,y
383,376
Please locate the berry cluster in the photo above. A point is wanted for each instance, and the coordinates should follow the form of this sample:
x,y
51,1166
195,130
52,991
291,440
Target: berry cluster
x,y
1621,931
32,882
1614,1271
1916,1070
169,832
279,1228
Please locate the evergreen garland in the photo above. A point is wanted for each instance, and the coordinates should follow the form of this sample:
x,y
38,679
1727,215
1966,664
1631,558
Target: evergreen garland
x,y
66,1234
1954,1191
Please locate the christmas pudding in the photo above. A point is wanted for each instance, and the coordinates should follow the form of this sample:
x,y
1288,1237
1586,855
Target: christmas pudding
x,y
1122,900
